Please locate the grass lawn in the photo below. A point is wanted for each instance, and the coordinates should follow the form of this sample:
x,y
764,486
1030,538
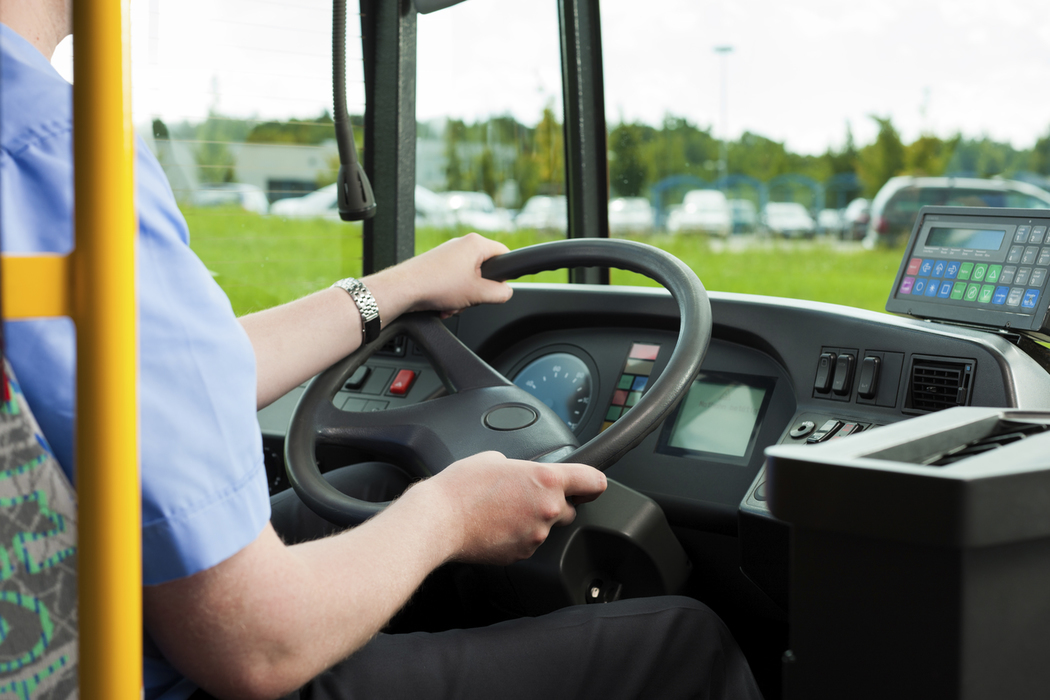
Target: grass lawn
x,y
263,261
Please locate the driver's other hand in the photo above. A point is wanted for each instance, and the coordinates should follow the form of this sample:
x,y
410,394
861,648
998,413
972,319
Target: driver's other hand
x,y
447,278
504,508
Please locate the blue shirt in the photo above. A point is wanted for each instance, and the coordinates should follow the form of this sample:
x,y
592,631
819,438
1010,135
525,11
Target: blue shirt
x,y
204,489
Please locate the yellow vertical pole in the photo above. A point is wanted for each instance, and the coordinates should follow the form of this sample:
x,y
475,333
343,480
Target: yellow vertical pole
x,y
104,305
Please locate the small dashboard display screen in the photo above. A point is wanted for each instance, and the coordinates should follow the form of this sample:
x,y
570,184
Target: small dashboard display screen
x,y
972,238
719,417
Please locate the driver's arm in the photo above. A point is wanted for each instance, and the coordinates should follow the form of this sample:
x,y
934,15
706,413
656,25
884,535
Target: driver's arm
x,y
271,617
295,341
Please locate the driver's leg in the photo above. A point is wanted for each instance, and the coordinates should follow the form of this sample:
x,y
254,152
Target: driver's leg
x,y
668,647
370,481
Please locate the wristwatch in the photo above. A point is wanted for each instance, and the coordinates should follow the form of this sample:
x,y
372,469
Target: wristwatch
x,y
366,304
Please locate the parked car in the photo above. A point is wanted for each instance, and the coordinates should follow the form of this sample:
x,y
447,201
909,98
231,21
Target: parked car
x,y
829,222
630,215
431,208
702,210
744,215
788,219
544,213
855,219
896,206
476,211
235,194
321,203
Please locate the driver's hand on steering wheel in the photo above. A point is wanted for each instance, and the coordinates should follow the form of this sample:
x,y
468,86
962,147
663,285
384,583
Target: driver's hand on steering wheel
x,y
502,509
446,279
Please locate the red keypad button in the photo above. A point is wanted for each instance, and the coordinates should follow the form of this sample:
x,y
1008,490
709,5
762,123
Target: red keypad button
x,y
402,382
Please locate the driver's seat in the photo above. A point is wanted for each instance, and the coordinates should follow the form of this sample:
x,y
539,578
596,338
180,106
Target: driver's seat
x,y
38,558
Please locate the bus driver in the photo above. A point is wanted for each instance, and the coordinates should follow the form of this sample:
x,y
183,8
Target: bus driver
x,y
230,609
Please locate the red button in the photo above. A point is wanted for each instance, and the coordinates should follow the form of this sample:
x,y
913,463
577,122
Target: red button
x,y
619,398
402,382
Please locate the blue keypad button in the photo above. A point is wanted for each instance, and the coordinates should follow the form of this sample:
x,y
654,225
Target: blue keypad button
x,y
920,286
1014,298
639,383
946,290
938,268
926,268
1031,297
932,287
951,270
1000,295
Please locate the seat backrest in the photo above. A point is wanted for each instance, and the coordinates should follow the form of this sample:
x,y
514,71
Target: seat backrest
x,y
38,555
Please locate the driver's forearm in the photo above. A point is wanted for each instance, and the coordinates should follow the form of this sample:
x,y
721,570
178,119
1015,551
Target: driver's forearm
x,y
295,341
270,618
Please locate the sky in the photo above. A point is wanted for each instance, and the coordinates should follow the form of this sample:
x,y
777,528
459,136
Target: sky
x,y
797,72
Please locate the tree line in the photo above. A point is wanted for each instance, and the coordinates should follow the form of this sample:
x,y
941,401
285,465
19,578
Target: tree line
x,y
484,155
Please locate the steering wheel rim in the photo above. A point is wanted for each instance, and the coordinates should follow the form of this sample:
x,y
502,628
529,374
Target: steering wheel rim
x,y
482,386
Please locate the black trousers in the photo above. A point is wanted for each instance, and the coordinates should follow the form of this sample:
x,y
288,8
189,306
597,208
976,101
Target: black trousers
x,y
666,647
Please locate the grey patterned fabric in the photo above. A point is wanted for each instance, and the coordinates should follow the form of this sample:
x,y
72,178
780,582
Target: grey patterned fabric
x,y
38,560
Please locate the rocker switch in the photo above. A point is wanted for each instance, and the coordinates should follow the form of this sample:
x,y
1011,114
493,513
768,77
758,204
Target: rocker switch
x,y
843,374
869,378
825,370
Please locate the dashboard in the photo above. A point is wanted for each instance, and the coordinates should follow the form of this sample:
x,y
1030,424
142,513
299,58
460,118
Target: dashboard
x,y
777,371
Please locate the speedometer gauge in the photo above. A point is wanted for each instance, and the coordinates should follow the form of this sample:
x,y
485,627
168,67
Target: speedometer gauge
x,y
563,382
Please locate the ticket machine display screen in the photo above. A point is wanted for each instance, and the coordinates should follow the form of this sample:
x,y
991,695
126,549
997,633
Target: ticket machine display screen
x,y
977,265
971,238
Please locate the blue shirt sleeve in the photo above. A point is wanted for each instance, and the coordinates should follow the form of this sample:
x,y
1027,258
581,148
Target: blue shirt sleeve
x,y
204,489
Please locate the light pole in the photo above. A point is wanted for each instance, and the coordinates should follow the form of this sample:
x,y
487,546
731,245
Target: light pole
x,y
723,161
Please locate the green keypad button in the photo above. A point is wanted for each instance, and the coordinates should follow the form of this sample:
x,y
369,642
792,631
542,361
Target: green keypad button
x,y
625,381
958,290
633,397
964,271
986,294
614,413
978,272
972,290
992,276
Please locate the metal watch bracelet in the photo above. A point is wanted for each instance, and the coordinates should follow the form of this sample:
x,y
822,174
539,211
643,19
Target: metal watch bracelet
x,y
366,305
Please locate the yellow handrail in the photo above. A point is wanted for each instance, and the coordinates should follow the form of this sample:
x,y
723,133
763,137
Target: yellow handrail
x,y
96,287
37,286
104,308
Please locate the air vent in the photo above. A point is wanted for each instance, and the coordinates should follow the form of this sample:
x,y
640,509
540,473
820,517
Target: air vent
x,y
939,383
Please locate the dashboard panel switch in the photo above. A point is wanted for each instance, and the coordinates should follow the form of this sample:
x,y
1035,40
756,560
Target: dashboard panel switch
x,y
843,382
869,377
357,379
825,371
402,382
825,431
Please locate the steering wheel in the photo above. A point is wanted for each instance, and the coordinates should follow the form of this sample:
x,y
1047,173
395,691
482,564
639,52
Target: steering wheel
x,y
483,410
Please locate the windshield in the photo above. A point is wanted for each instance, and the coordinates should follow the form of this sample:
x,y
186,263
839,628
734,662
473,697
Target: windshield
x,y
813,104
715,113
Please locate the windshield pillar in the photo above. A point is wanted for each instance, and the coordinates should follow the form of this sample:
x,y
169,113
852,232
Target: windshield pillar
x,y
586,170
388,40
